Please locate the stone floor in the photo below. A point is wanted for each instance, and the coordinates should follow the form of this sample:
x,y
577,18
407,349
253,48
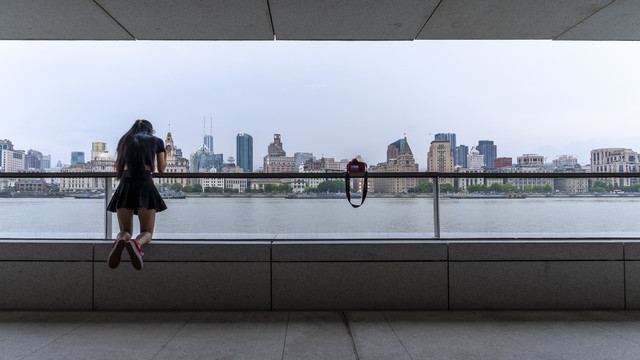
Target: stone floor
x,y
321,335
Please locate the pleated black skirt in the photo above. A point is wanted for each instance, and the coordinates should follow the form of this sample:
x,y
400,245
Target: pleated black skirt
x,y
136,192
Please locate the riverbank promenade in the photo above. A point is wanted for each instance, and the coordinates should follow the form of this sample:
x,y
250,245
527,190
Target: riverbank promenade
x,y
385,335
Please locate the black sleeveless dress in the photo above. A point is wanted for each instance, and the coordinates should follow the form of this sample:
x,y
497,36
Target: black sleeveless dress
x,y
138,191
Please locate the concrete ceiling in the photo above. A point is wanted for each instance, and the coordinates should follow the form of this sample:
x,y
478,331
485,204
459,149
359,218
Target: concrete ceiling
x,y
319,19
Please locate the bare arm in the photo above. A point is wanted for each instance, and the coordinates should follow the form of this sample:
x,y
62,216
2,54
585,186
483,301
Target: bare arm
x,y
161,159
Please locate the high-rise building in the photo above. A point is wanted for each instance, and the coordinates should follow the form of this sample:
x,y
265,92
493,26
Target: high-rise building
x,y
393,150
440,159
77,157
302,157
277,160
451,138
11,160
461,152
97,149
6,145
46,162
208,142
402,162
244,151
489,150
33,160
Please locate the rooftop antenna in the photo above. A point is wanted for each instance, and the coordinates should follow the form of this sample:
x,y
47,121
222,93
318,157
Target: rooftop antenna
x,y
204,124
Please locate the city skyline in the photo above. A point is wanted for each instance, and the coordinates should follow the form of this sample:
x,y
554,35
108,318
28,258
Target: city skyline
x,y
337,99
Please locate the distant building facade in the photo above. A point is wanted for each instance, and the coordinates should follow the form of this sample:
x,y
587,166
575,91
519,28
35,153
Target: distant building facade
x,y
531,160
463,183
277,160
77,157
490,152
404,162
244,151
474,159
571,185
12,160
103,163
97,149
451,138
440,159
33,160
393,150
31,185
460,153
176,164
302,157
615,160
564,161
502,162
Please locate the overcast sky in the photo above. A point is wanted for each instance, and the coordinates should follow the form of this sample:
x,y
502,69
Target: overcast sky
x,y
337,99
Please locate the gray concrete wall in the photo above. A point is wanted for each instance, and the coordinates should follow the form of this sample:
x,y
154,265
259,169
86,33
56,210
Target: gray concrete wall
x,y
323,275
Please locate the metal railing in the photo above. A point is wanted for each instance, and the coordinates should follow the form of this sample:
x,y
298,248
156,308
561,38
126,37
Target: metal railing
x,y
434,176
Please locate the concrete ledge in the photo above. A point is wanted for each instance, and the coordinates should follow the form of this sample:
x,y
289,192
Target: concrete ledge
x,y
181,251
359,285
323,275
34,250
537,285
43,285
536,250
183,286
400,250
632,250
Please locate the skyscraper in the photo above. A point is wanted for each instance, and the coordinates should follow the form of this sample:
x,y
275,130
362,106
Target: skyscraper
x,y
393,150
208,142
244,152
33,160
460,153
450,137
97,149
76,157
402,162
6,145
440,159
301,157
490,152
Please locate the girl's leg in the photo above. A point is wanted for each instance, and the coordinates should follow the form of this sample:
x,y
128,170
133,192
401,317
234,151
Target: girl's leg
x,y
147,219
125,221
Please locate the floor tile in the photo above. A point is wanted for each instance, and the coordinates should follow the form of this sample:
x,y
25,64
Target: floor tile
x,y
229,335
318,335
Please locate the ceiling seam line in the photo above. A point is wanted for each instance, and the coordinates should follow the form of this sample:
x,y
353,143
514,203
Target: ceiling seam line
x,y
429,18
114,19
273,28
583,20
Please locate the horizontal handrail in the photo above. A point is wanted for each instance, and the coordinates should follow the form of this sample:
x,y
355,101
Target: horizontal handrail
x,y
332,175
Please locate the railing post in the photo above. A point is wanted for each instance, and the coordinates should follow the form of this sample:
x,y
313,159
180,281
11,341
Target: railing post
x,y
108,218
436,207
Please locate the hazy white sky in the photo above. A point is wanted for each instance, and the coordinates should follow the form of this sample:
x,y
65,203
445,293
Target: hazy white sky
x,y
339,99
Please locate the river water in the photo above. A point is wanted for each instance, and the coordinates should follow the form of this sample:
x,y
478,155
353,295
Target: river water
x,y
269,218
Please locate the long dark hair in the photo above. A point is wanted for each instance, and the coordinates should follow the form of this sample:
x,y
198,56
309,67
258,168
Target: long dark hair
x,y
135,149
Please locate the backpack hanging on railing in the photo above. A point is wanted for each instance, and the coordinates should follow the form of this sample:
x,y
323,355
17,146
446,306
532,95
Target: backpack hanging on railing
x,y
356,167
